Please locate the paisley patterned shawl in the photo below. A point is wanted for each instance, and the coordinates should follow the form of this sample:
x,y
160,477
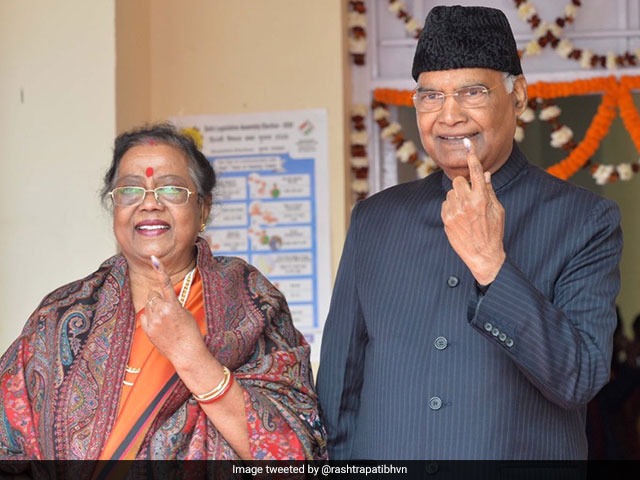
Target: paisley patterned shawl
x,y
60,380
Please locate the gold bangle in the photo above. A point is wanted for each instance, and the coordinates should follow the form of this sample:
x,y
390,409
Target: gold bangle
x,y
218,390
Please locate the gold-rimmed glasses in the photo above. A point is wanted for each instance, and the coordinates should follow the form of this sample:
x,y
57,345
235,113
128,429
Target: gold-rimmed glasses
x,y
427,101
165,195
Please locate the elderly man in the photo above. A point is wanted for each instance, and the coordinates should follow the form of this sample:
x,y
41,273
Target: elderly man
x,y
473,310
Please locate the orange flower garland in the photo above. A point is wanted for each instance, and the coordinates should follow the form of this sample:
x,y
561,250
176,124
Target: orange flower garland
x,y
616,95
400,98
628,111
598,129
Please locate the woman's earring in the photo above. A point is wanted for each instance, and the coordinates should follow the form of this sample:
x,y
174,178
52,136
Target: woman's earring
x,y
203,227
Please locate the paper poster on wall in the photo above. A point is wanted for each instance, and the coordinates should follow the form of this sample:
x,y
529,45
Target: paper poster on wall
x,y
271,203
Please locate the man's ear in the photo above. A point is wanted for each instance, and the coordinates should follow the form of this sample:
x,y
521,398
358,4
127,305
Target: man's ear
x,y
520,94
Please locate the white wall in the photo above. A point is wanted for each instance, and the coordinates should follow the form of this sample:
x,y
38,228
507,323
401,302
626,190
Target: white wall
x,y
57,123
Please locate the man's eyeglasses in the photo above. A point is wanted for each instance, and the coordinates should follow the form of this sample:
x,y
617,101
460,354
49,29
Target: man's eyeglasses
x,y
427,101
167,195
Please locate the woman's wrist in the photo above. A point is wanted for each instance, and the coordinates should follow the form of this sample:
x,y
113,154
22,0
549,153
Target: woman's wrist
x,y
217,392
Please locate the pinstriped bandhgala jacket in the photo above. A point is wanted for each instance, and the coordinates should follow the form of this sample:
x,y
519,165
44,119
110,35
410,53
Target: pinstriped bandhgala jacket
x,y
417,363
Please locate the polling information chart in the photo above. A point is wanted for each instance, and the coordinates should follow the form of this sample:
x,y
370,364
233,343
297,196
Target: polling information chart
x,y
271,202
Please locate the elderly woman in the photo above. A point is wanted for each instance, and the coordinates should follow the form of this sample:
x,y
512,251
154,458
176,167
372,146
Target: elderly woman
x,y
164,352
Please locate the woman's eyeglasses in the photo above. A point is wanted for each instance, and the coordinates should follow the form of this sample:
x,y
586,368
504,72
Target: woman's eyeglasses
x,y
166,195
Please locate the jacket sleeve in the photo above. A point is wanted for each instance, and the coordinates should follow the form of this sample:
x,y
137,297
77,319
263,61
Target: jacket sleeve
x,y
561,339
344,339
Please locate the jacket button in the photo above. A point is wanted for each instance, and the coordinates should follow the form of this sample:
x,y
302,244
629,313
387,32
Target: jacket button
x,y
453,281
441,343
435,403
509,342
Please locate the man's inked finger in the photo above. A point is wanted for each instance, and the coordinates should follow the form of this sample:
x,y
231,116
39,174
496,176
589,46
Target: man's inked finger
x,y
476,172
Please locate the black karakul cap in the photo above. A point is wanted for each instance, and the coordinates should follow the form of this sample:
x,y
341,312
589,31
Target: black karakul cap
x,y
466,37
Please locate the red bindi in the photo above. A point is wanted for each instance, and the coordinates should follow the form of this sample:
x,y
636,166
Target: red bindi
x,y
149,171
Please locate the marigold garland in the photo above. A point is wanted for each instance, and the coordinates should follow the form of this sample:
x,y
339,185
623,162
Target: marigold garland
x,y
397,7
406,151
357,33
359,159
628,112
400,98
616,97
581,154
547,34
552,34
